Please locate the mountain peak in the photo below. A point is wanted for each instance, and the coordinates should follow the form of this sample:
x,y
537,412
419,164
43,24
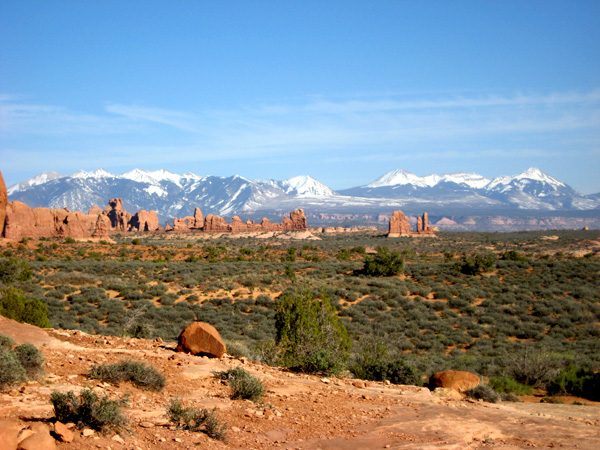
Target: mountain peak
x,y
306,186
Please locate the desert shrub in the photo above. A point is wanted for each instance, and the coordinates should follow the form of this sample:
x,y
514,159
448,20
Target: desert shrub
x,y
530,367
138,373
577,381
11,370
476,264
30,358
6,342
375,363
14,269
312,338
513,255
385,263
196,419
483,392
89,410
509,386
243,385
14,305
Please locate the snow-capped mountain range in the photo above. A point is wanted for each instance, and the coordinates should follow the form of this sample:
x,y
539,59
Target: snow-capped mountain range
x,y
173,195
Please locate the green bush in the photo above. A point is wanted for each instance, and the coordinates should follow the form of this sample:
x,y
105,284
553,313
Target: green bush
x,y
138,373
374,363
509,386
11,370
385,263
476,264
196,419
576,381
14,305
483,392
243,385
89,410
311,337
30,358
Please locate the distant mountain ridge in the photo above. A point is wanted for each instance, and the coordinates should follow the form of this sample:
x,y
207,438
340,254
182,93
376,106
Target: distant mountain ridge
x,y
173,195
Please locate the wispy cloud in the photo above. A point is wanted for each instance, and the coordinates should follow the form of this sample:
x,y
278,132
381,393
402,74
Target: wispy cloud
x,y
363,128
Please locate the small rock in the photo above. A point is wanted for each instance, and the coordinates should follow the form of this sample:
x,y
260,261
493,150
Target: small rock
x,y
87,432
146,425
177,440
325,380
118,439
63,433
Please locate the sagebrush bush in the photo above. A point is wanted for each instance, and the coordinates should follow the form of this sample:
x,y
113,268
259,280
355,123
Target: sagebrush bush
x,y
89,410
196,419
6,342
243,385
375,363
531,367
483,392
11,370
30,358
138,373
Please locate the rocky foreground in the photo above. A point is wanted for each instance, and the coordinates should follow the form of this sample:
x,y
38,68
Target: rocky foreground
x,y
298,411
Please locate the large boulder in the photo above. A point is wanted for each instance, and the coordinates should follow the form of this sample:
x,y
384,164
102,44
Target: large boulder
x,y
9,431
40,439
201,338
454,379
144,221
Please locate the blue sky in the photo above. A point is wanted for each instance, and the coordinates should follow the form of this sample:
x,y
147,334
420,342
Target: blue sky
x,y
343,91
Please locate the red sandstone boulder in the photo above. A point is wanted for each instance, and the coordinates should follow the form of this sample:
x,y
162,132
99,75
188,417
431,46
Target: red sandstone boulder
x,y
3,203
298,220
454,379
201,338
39,440
9,430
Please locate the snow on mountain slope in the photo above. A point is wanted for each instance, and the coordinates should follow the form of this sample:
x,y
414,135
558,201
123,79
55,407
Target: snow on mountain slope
x,y
402,177
532,174
472,180
35,181
152,177
306,186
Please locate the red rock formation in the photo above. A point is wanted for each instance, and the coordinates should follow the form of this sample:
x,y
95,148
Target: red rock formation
x,y
454,379
102,227
3,203
22,221
184,224
144,221
95,210
198,218
201,338
119,218
213,223
399,225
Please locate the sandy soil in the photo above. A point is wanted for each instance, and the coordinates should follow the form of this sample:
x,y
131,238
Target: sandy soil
x,y
298,411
